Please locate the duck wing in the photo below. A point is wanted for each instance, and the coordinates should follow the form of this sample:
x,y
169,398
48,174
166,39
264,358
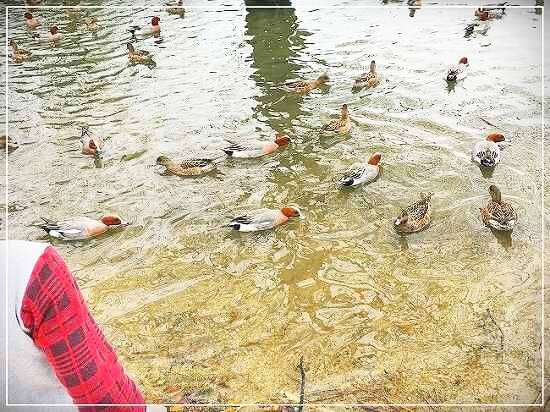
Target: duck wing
x,y
193,163
296,84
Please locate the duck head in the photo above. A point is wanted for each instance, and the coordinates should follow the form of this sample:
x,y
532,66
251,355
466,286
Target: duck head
x,y
113,220
375,159
163,160
344,110
155,21
372,66
495,137
291,211
463,60
282,139
54,30
323,78
28,16
495,194
130,47
13,44
402,219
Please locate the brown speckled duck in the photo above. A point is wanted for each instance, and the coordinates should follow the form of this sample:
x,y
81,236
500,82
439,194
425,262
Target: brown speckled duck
x,y
369,79
415,217
19,55
189,167
303,87
497,214
342,125
138,56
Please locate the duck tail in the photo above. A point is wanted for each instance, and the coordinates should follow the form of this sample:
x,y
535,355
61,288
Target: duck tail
x,y
346,181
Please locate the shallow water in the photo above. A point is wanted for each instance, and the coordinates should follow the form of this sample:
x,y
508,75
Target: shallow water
x,y
197,312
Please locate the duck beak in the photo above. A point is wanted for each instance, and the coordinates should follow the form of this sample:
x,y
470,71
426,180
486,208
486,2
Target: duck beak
x,y
124,223
302,216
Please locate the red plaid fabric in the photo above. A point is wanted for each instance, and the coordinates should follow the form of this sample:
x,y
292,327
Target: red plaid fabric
x,y
60,324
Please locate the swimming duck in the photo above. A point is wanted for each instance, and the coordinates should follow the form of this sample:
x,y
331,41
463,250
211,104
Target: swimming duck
x,y
30,21
360,173
8,141
91,145
342,125
371,78
264,219
416,216
91,23
458,70
256,150
174,7
19,55
80,227
487,13
303,87
189,167
72,12
138,56
497,214
54,35
153,29
487,152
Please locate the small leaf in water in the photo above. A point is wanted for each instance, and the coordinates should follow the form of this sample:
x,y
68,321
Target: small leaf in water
x,y
131,156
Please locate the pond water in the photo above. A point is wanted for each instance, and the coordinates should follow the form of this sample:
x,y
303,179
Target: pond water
x,y
451,314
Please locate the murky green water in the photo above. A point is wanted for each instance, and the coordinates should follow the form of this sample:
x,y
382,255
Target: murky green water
x,y
198,312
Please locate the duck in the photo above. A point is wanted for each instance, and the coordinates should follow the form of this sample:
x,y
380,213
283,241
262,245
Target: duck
x,y
174,7
342,125
487,13
264,219
72,12
371,78
303,87
30,21
487,152
458,70
189,167
19,55
9,142
153,29
91,23
416,216
138,56
259,149
91,145
80,227
54,35
360,173
497,214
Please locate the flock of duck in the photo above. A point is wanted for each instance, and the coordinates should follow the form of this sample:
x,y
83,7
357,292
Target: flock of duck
x,y
497,214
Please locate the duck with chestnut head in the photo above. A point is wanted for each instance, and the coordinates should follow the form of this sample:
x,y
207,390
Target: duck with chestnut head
x,y
498,215
54,35
30,21
91,144
250,150
415,217
341,126
18,55
457,71
363,172
306,86
80,227
487,152
264,219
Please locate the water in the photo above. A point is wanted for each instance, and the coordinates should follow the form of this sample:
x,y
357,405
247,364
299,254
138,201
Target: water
x,y
198,312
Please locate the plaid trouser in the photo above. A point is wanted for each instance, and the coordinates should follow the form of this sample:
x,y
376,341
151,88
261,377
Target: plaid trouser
x,y
54,312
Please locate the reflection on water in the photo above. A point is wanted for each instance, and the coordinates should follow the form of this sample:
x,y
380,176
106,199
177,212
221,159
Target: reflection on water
x,y
198,312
